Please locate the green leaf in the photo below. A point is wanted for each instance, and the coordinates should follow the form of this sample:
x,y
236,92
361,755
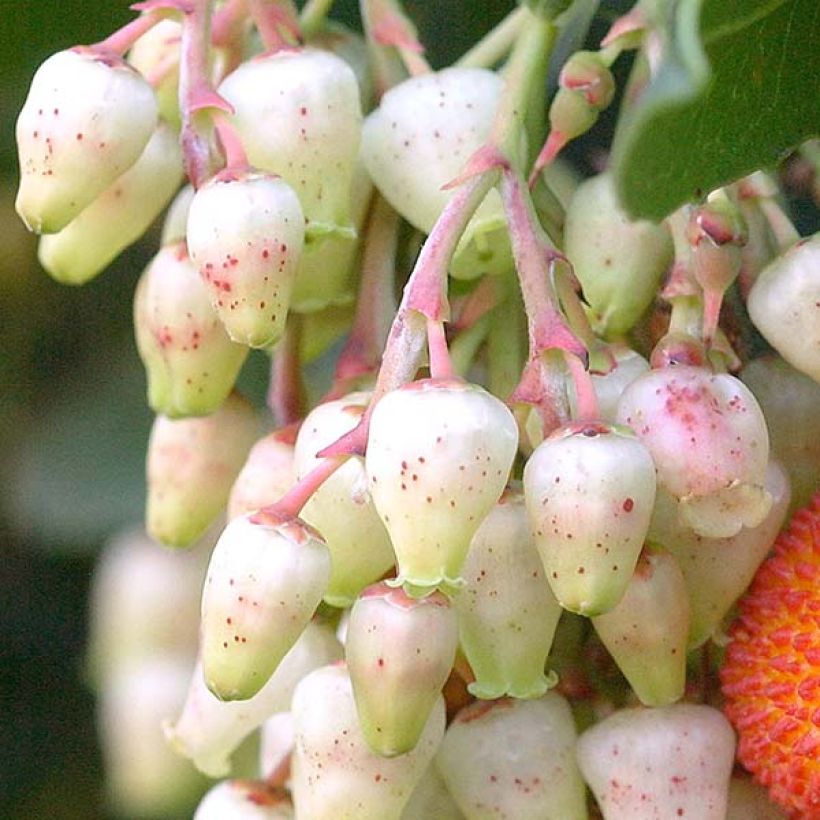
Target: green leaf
x,y
737,88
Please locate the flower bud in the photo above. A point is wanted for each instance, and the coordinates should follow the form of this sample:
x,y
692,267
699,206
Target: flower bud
x,y
438,458
507,614
342,507
144,777
709,442
517,756
783,305
264,582
245,800
190,361
175,225
209,730
245,234
669,761
437,122
132,622
118,217
587,73
191,466
157,53
789,399
619,263
718,570
335,775
589,490
299,116
85,121
647,630
570,114
276,740
399,652
268,473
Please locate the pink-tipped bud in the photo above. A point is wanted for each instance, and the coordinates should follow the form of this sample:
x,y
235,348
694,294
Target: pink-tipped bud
x,y
245,234
783,305
571,114
399,651
335,774
618,262
587,73
669,761
709,442
119,216
264,582
589,489
245,800
342,508
299,116
191,466
190,361
718,570
86,120
507,614
647,631
514,758
209,730
268,473
438,458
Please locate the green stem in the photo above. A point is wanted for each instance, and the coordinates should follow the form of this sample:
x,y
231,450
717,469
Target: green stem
x,y
466,344
496,44
313,15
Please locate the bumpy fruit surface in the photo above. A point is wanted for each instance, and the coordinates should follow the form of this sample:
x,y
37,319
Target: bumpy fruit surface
x,y
335,775
265,579
191,466
190,361
771,674
589,490
299,116
399,652
342,507
514,758
709,442
245,234
86,120
436,122
619,263
209,730
670,761
784,304
647,630
438,458
507,613
118,216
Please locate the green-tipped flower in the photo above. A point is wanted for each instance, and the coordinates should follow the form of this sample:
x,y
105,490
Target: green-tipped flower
x,y
670,761
342,507
709,442
191,466
783,305
438,458
590,489
264,582
718,570
190,361
209,730
86,120
399,651
335,774
299,116
268,473
118,216
647,631
436,122
245,234
619,263
507,613
514,758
